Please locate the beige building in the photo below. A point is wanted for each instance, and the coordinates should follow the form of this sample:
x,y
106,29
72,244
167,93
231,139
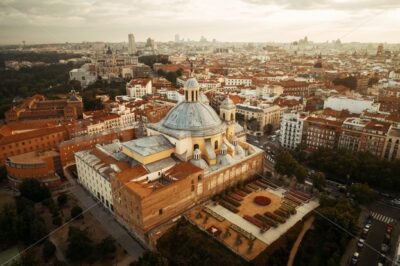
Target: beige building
x,y
264,113
187,157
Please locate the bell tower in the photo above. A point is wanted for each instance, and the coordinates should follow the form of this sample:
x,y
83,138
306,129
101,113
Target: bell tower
x,y
227,112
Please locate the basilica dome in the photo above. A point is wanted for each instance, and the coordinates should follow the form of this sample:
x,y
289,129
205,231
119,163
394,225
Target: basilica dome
x,y
192,116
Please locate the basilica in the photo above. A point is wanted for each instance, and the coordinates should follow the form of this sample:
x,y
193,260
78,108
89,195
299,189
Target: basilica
x,y
185,159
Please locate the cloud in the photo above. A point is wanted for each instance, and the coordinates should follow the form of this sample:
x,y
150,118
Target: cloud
x,y
353,5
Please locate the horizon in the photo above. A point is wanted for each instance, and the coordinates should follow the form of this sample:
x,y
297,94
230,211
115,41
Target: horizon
x,y
258,21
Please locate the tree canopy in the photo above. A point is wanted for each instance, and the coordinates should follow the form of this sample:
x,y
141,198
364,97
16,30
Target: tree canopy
x,y
34,190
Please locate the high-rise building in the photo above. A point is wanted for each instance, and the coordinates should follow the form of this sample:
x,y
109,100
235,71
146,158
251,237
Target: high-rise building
x,y
177,39
131,44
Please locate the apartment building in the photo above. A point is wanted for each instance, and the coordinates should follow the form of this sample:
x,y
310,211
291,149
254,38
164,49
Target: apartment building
x,y
139,87
291,131
264,113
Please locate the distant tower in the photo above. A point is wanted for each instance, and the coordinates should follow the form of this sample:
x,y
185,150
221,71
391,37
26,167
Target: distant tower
x,y
227,112
379,51
131,44
177,38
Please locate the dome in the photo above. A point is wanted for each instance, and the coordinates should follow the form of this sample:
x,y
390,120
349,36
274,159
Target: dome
x,y
191,84
204,98
198,118
227,103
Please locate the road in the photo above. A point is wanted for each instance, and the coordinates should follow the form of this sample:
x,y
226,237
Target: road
x,y
384,213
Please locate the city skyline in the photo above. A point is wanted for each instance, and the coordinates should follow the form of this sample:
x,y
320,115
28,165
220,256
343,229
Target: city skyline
x,y
241,21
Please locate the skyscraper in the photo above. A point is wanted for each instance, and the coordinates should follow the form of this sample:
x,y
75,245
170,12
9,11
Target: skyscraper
x,y
177,39
131,44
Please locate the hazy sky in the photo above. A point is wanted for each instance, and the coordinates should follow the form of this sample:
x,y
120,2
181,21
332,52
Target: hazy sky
x,y
44,21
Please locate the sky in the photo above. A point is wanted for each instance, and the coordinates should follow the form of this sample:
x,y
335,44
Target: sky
x,y
58,21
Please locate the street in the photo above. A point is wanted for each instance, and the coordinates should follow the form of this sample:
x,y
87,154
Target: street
x,y
382,214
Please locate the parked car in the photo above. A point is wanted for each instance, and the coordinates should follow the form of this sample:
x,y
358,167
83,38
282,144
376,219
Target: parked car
x,y
354,259
360,242
395,202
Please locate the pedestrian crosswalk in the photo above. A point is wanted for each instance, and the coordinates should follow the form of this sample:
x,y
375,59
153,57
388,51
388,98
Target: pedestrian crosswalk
x,y
382,218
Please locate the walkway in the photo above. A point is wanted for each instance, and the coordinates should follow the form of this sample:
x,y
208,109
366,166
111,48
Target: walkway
x,y
106,219
296,245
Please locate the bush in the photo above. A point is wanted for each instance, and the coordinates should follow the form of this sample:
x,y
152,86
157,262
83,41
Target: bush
x,y
48,250
34,190
62,199
76,212
79,244
106,247
57,220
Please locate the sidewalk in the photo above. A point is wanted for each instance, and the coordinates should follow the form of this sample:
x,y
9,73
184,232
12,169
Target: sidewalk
x,y
108,222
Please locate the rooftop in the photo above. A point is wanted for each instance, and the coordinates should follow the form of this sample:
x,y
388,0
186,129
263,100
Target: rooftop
x,y
148,145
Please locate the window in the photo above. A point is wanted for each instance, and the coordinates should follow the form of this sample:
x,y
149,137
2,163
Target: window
x,y
160,211
216,144
195,146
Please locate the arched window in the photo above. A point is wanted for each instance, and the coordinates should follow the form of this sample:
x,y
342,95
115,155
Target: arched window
x,y
195,146
186,95
232,117
216,144
223,116
192,96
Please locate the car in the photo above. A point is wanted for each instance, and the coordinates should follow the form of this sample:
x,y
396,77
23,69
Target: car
x,y
367,226
354,258
395,202
360,242
389,229
384,248
365,231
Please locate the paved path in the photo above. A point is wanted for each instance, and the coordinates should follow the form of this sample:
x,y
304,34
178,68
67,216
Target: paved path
x,y
296,245
106,219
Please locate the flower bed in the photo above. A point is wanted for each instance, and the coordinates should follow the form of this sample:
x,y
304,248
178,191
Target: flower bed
x,y
241,193
232,201
266,220
277,218
228,206
254,221
236,196
260,184
246,190
262,201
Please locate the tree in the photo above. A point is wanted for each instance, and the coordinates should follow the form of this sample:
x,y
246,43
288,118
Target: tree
x,y
285,163
8,227
150,258
3,173
80,245
106,247
301,173
32,189
48,250
350,82
268,128
318,180
76,212
362,193
62,199
253,124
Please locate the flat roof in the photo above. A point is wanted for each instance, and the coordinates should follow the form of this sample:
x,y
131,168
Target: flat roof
x,y
148,145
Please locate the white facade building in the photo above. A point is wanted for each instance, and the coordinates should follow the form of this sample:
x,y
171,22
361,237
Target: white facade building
x,y
84,75
353,105
139,87
291,130
236,81
95,176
